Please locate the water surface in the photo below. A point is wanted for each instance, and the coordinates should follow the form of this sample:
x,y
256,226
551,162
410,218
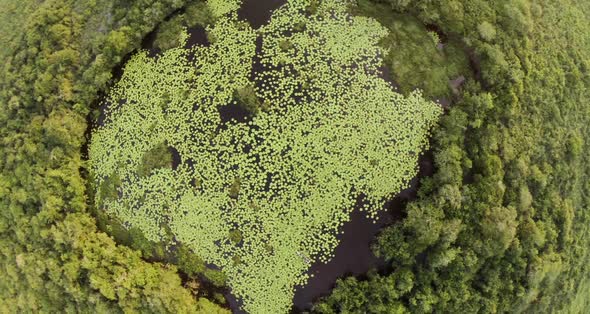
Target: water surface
x,y
353,255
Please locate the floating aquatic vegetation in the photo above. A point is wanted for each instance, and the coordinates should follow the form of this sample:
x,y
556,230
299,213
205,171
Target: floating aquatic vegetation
x,y
265,197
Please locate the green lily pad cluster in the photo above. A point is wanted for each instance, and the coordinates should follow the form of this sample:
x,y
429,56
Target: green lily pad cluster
x,y
263,197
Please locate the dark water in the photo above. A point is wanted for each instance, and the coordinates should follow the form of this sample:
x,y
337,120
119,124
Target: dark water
x,y
176,160
234,304
234,112
353,255
388,76
197,36
258,12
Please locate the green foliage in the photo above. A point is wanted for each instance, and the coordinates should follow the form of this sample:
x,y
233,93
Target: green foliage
x,y
417,57
56,55
188,262
169,34
246,98
580,302
156,158
487,31
376,295
109,188
503,225
235,236
271,193
197,13
218,278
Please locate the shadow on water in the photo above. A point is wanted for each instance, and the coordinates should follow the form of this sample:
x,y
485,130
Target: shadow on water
x,y
148,43
258,12
388,76
234,304
176,159
197,36
234,112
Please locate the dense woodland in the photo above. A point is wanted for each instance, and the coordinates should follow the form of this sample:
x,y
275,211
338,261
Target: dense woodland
x,y
502,225
56,57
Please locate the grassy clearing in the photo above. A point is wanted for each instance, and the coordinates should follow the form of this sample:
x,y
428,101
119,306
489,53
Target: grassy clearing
x,y
263,198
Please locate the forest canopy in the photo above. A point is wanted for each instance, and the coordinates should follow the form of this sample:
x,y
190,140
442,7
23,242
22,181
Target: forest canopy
x,y
501,226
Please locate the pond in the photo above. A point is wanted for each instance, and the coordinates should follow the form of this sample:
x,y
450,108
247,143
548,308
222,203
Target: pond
x,y
353,255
